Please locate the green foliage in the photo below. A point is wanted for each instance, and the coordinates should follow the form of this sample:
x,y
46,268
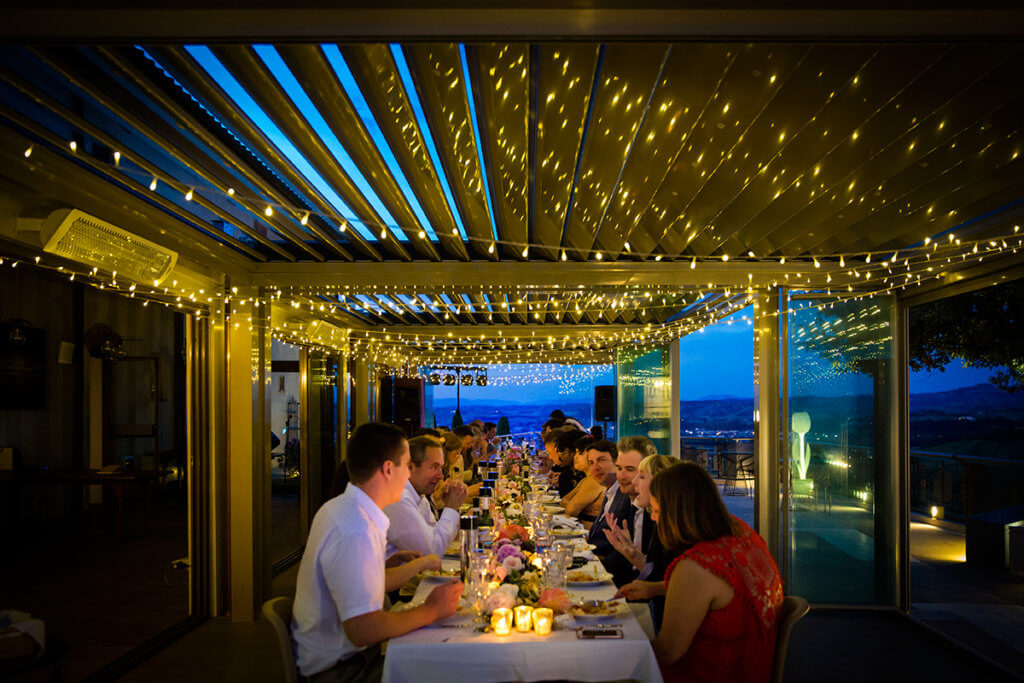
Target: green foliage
x,y
982,329
503,427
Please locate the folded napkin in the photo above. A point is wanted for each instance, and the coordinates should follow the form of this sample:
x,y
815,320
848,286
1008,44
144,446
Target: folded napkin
x,y
562,520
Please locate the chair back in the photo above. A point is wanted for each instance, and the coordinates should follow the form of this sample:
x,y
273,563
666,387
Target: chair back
x,y
278,611
793,610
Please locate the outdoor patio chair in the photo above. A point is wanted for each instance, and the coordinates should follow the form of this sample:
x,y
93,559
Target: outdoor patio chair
x,y
793,610
278,611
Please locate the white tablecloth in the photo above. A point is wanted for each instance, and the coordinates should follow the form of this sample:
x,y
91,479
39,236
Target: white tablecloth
x,y
461,655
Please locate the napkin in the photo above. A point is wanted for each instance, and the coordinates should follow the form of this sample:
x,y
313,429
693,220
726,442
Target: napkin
x,y
562,520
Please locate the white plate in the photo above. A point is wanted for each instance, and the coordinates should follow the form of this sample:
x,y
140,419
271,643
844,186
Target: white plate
x,y
439,579
602,578
568,533
554,509
582,617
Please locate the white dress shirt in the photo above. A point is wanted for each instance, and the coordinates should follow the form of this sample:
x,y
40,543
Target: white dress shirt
x,y
412,526
609,496
341,576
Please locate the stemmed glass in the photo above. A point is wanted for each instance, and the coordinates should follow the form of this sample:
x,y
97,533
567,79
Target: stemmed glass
x,y
479,579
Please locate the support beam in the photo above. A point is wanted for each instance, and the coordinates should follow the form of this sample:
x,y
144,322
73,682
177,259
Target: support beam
x,y
675,428
248,372
768,421
431,276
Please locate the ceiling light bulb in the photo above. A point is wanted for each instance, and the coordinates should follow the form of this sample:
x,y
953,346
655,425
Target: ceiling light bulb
x,y
28,152
526,252
725,257
305,218
231,192
188,195
152,185
598,256
269,211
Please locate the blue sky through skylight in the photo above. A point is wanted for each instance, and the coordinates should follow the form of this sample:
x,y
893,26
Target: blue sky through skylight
x,y
298,96
421,120
355,96
479,138
238,94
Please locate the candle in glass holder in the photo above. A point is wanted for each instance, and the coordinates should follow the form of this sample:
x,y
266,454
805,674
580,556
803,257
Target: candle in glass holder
x,y
523,614
542,619
501,621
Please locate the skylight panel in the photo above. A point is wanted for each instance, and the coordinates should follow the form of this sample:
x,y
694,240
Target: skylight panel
x,y
469,303
370,304
301,100
421,120
479,137
240,97
355,96
430,303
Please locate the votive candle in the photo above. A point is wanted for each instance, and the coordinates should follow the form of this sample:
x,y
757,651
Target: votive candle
x,y
501,621
542,619
523,615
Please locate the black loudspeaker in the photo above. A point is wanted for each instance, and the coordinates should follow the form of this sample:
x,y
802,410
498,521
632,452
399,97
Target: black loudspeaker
x,y
401,402
604,403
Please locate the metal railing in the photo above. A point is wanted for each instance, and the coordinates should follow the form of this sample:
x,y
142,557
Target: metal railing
x,y
949,486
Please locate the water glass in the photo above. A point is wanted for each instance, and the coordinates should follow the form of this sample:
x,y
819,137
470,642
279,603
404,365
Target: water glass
x,y
554,569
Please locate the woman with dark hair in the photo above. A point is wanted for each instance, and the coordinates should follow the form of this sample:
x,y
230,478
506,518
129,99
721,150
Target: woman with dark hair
x,y
584,501
723,589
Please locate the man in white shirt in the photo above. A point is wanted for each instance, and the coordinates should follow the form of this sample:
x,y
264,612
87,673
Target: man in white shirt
x,y
338,619
412,521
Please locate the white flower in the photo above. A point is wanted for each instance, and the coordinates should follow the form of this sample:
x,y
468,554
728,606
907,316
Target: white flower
x,y
512,564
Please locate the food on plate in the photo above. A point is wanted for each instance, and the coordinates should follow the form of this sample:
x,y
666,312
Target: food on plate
x,y
587,575
598,608
443,573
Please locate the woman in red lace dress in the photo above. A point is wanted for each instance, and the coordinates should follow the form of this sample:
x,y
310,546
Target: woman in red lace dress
x,y
723,590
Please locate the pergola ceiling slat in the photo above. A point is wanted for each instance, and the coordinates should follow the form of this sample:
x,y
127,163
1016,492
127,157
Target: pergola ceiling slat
x,y
109,94
378,78
437,70
254,76
629,74
310,67
895,140
139,159
501,85
185,70
733,108
565,76
788,130
222,178
687,81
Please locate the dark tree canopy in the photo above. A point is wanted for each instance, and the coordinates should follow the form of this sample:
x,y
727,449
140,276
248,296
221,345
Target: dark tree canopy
x,y
983,329
503,427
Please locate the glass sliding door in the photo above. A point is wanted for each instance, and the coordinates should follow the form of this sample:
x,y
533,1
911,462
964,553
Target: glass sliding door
x,y
644,396
840,460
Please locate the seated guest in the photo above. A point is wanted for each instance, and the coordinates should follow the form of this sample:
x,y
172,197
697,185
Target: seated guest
x,y
428,431
723,587
465,433
550,441
453,470
584,501
601,457
632,449
643,549
552,423
565,447
490,431
413,526
338,619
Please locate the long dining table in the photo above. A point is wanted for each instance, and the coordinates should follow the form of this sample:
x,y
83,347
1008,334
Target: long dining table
x,y
457,649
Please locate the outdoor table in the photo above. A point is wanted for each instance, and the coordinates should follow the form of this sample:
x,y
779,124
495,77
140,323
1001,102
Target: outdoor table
x,y
435,653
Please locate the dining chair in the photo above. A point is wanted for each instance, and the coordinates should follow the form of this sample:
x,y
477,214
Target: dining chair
x,y
793,610
278,611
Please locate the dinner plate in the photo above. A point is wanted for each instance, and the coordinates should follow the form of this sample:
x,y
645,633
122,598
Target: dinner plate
x,y
568,533
591,581
620,608
554,509
440,578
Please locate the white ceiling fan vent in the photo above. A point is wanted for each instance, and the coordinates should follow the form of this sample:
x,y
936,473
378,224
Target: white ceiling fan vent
x,y
77,236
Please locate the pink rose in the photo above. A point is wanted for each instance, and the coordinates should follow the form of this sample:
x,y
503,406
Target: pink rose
x,y
513,563
500,572
503,596
556,599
